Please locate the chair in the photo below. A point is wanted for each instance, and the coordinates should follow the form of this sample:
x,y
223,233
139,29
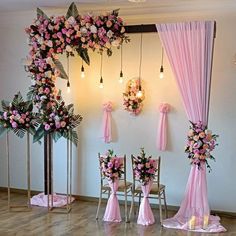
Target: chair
x,y
157,190
124,188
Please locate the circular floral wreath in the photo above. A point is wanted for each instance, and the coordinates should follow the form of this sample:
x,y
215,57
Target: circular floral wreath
x,y
132,102
50,36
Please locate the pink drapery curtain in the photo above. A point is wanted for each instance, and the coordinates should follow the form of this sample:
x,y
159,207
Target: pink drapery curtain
x,y
112,212
106,122
162,129
145,216
189,48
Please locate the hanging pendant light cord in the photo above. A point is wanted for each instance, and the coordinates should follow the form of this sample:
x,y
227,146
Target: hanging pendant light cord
x,y
101,65
141,52
162,54
121,57
68,67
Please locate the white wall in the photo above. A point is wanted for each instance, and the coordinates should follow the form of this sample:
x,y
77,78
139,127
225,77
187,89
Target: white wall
x,y
130,133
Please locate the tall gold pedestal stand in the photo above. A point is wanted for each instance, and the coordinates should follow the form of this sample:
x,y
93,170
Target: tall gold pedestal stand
x,y
26,207
67,208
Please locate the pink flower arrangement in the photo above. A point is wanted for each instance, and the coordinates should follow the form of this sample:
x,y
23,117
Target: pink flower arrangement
x,y
144,168
18,116
112,167
132,103
200,143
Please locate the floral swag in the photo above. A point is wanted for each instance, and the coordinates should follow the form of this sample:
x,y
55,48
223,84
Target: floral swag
x,y
48,37
201,142
132,103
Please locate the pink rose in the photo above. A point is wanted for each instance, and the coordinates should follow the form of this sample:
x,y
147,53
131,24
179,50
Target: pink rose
x,y
47,127
14,124
63,124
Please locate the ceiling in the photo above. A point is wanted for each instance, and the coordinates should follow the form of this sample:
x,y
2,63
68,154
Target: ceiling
x,y
159,6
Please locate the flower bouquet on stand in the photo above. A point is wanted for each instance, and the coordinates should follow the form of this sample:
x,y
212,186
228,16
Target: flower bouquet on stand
x,y
144,170
112,168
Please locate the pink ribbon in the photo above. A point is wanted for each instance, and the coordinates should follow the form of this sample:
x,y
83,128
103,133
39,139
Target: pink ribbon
x,y
106,122
145,216
112,212
164,108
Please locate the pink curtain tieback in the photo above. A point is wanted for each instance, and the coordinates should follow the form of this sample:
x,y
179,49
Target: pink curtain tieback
x,y
164,108
106,122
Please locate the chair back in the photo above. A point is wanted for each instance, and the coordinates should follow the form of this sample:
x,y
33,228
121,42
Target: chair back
x,y
156,179
123,176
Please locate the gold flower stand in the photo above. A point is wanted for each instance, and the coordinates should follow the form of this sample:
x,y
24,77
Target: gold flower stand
x,y
67,208
25,207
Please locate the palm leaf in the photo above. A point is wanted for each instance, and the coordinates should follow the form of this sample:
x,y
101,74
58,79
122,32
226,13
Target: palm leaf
x,y
19,132
76,122
17,99
60,67
41,13
5,105
56,136
70,108
39,134
28,106
72,11
72,136
83,53
31,93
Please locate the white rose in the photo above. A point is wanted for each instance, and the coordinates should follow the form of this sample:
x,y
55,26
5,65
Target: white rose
x,y
116,43
49,43
40,40
109,34
71,20
93,29
83,30
68,48
48,74
49,61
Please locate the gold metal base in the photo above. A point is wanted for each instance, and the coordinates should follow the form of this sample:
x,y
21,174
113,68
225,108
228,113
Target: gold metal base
x,y
25,207
67,208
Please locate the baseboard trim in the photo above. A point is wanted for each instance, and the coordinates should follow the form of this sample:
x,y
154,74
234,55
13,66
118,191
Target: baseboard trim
x,y
95,199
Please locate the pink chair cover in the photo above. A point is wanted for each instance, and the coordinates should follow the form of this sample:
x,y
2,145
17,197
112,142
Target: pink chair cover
x,y
145,216
42,200
106,122
189,48
162,130
112,212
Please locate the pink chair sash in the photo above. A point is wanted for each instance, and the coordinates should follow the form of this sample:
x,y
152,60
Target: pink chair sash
x,y
145,216
112,212
162,130
106,122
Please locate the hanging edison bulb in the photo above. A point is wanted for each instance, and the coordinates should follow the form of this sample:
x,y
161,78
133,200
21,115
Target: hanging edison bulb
x,y
68,86
121,66
139,93
161,75
82,73
101,83
101,79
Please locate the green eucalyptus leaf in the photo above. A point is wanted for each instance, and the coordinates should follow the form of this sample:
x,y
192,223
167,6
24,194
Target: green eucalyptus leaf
x,y
60,67
41,13
72,11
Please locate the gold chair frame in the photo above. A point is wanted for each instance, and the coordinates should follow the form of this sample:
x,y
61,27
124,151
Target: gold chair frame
x,y
157,190
124,186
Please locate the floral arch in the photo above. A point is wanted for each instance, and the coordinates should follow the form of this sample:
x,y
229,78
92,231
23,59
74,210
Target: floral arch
x,y
71,34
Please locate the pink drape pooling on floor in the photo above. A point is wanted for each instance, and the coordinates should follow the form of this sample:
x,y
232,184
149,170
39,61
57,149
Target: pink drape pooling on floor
x,y
162,129
112,212
106,122
145,216
189,48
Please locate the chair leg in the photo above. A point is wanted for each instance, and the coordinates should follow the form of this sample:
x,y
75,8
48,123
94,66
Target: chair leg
x,y
160,208
99,204
165,205
132,204
126,211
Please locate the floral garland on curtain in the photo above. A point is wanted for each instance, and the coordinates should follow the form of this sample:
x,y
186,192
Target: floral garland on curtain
x,y
132,103
50,36
201,142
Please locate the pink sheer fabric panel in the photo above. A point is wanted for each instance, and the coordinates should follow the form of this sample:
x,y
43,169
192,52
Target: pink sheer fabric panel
x,y
145,216
112,212
106,122
189,48
162,129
